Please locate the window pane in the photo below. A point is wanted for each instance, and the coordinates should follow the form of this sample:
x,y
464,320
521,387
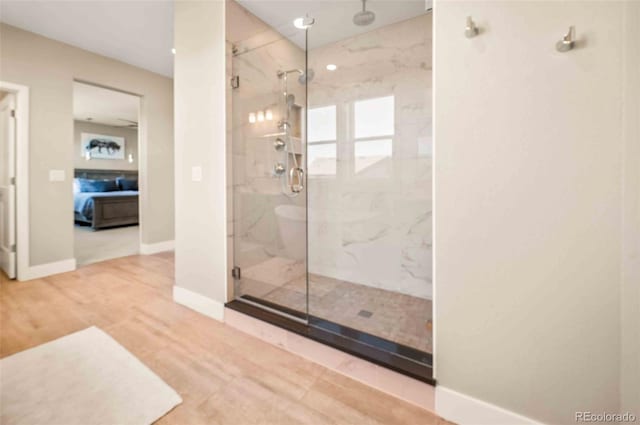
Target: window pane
x,y
372,157
374,117
322,123
322,159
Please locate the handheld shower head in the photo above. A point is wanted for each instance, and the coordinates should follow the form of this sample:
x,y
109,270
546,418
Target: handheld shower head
x,y
364,17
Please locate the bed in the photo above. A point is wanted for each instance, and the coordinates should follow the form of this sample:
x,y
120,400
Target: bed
x,y
104,209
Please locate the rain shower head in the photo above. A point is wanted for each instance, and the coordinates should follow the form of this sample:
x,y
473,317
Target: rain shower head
x,y
306,77
303,78
364,17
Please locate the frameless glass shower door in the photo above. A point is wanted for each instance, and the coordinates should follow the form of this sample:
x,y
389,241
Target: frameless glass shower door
x,y
268,102
332,171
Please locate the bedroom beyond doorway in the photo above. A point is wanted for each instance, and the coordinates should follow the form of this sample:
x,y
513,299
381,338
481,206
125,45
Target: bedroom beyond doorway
x,y
105,186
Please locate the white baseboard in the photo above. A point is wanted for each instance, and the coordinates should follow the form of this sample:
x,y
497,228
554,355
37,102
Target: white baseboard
x,y
154,248
465,410
200,303
48,269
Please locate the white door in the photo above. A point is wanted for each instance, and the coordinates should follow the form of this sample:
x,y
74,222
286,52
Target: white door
x,y
8,185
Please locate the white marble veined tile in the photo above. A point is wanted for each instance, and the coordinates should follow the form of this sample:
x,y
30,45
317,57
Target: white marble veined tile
x,y
371,227
276,271
391,249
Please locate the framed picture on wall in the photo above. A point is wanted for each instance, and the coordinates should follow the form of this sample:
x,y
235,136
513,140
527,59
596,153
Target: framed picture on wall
x,y
100,146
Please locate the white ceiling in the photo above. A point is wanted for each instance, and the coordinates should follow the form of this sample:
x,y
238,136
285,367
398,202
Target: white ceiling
x,y
333,18
104,106
139,33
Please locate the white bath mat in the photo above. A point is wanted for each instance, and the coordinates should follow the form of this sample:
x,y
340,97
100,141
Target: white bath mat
x,y
85,378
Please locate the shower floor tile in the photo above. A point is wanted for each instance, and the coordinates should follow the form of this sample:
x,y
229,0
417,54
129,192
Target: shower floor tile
x,y
400,318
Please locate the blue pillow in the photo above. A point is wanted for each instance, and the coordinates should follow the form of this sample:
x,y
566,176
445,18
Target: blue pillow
x,y
88,185
127,184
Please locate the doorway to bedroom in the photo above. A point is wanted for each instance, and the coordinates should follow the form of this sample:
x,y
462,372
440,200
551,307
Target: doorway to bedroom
x,y
106,166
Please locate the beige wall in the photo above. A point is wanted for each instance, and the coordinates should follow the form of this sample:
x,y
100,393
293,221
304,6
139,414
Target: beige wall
x,y
630,294
49,68
530,188
130,143
201,228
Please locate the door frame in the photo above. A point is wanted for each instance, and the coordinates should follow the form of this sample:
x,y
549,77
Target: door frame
x,y
141,143
22,176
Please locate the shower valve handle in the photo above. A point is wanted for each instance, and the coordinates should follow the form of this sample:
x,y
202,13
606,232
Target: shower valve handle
x,y
284,125
279,169
279,144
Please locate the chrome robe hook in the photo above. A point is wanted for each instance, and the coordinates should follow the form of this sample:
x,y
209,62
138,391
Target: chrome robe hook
x,y
470,30
568,42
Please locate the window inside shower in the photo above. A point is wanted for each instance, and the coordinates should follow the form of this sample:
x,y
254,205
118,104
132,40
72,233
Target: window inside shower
x,y
322,141
332,166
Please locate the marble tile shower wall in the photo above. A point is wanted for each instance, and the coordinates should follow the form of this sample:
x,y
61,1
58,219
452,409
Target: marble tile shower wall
x,y
375,227
256,192
371,230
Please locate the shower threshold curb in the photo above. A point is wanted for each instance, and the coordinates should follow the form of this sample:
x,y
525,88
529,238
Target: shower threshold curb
x,y
396,357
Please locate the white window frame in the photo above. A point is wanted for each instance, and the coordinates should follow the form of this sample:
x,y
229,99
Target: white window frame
x,y
326,142
353,139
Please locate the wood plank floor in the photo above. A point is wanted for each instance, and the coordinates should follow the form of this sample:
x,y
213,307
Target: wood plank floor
x,y
224,376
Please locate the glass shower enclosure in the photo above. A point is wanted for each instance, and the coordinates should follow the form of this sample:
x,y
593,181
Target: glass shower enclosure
x,y
331,165
268,166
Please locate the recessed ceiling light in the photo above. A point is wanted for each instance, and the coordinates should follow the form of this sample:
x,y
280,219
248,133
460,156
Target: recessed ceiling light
x,y
173,50
331,67
303,23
